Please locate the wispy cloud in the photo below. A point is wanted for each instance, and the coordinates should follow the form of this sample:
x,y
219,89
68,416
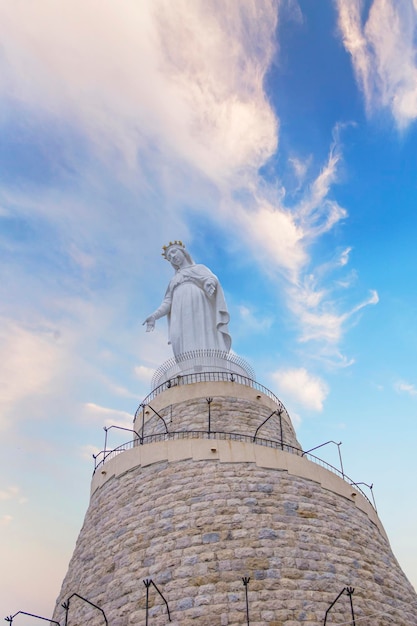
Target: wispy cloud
x,y
107,82
252,321
318,321
106,415
31,365
12,493
218,115
300,167
383,50
144,373
139,118
88,451
405,387
281,237
301,387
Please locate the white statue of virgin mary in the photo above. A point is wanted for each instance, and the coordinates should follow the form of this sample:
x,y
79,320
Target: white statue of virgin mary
x,y
194,304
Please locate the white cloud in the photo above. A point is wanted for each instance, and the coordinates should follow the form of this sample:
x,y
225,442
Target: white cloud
x,y
281,237
274,237
252,321
383,52
48,362
300,167
33,357
13,493
344,257
67,61
179,127
404,387
315,213
318,319
121,391
302,387
192,120
81,258
106,415
144,373
87,451
6,520
9,493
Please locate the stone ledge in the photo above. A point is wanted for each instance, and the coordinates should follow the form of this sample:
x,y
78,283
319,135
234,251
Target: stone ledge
x,y
182,393
232,399
229,451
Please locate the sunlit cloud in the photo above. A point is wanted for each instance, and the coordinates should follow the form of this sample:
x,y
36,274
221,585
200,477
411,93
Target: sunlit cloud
x,y
281,237
252,321
88,451
12,493
44,361
274,237
301,387
315,212
6,520
318,318
146,135
144,373
404,387
344,257
33,357
383,52
300,167
121,391
107,416
81,258
218,118
217,132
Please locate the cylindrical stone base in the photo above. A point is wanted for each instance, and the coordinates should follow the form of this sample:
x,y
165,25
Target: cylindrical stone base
x,y
197,515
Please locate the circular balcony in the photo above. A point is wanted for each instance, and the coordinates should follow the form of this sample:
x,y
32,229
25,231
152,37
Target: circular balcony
x,y
201,362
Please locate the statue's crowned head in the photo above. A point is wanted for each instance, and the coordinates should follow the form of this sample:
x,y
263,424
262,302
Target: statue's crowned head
x,y
172,244
178,245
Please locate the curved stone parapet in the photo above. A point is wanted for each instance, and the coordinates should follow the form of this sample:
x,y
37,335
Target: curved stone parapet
x,y
231,451
233,407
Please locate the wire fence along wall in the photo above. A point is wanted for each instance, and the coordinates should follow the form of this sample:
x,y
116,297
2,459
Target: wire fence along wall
x,y
197,377
105,455
204,377
390,613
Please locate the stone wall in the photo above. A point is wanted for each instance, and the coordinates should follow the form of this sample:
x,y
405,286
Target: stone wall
x,y
197,527
197,515
234,408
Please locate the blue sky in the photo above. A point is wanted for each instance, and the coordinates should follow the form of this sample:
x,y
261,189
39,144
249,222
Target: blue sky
x,y
278,140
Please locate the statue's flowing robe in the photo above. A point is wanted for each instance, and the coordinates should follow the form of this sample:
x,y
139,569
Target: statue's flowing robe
x,y
195,320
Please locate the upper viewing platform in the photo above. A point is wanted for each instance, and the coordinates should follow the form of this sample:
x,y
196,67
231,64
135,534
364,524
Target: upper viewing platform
x,y
201,362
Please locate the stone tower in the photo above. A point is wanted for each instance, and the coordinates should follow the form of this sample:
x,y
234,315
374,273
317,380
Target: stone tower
x,y
215,490
213,514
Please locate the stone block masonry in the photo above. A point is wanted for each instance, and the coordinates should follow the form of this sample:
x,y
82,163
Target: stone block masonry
x,y
195,516
234,408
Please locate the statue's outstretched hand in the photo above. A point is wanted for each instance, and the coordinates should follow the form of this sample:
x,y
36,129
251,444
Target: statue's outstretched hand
x,y
150,323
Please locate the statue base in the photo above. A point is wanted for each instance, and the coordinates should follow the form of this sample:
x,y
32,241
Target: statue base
x,y
199,361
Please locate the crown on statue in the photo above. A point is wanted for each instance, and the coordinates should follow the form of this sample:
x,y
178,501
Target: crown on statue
x,y
165,249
